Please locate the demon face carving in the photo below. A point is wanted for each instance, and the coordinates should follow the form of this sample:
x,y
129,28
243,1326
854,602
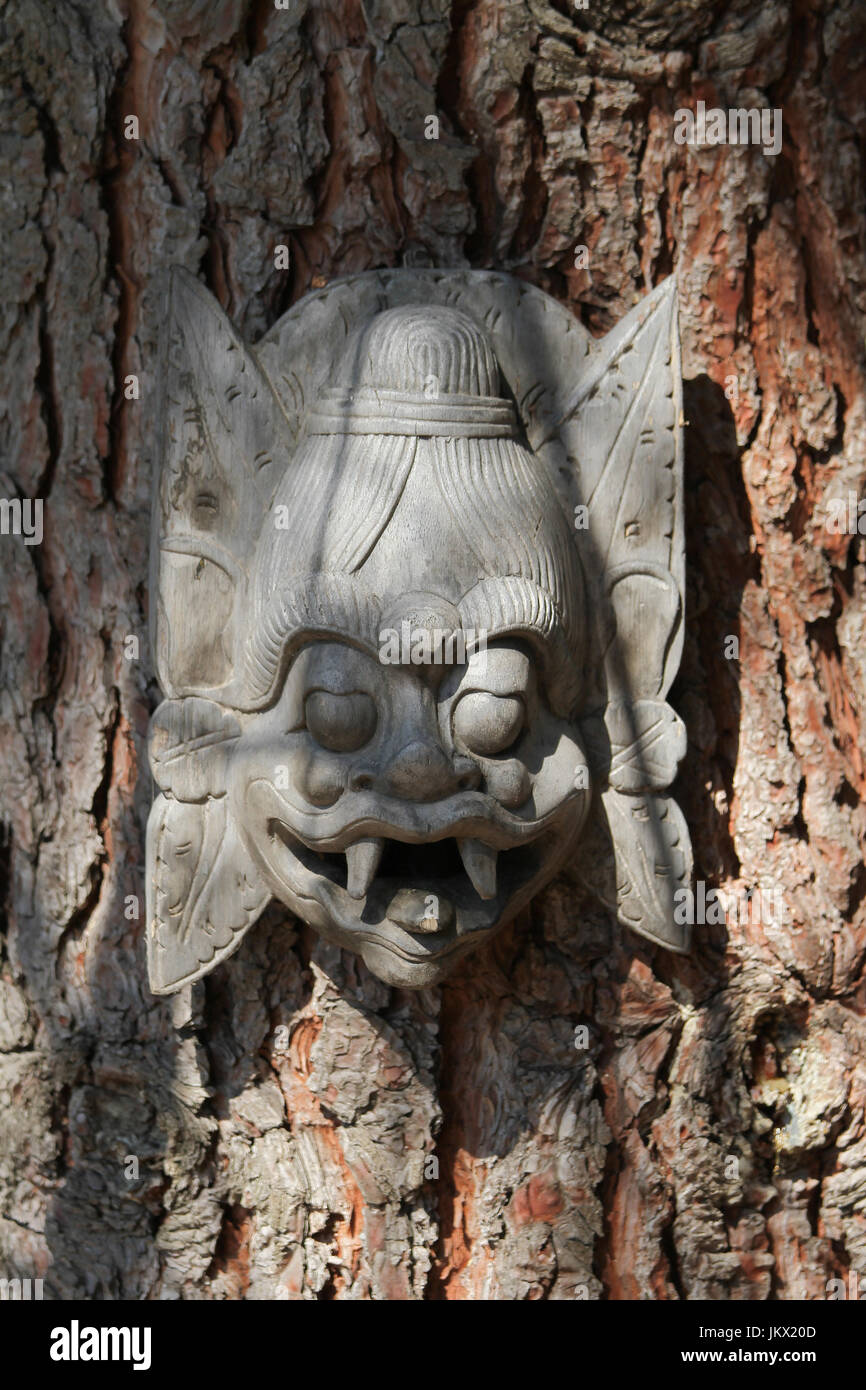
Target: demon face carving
x,y
403,676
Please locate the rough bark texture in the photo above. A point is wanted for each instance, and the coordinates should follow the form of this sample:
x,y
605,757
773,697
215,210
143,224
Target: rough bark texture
x,y
710,1141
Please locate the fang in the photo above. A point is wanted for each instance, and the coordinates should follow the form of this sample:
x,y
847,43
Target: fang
x,y
479,861
362,861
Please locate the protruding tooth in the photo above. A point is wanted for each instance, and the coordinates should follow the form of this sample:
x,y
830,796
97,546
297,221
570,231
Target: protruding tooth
x,y
362,861
479,861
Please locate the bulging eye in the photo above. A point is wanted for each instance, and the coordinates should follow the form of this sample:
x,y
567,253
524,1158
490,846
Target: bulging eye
x,y
488,724
340,722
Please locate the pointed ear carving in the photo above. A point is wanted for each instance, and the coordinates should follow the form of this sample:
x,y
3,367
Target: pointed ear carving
x,y
189,743
224,441
647,741
621,432
647,613
203,893
653,861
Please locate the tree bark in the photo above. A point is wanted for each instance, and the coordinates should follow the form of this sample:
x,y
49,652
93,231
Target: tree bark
x,y
271,1133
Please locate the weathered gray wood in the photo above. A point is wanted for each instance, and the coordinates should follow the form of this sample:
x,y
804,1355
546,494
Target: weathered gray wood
x,y
374,619
708,1141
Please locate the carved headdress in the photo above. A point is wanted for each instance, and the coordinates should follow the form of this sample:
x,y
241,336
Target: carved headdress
x,y
412,478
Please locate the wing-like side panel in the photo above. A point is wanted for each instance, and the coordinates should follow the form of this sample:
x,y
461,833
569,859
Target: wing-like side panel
x,y
225,441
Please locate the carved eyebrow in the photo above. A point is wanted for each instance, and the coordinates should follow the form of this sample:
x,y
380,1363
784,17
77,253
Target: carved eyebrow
x,y
314,608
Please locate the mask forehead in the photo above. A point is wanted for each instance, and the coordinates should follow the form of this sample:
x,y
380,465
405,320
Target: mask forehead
x,y
423,547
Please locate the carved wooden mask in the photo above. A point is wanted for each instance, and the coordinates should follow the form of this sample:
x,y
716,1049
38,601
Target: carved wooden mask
x,y
418,602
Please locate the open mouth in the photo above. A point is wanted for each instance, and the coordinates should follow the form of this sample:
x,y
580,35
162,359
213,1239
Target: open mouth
x,y
411,891
400,879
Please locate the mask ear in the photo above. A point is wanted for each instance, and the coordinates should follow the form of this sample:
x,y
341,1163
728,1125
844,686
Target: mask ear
x,y
200,903
621,431
223,439
203,892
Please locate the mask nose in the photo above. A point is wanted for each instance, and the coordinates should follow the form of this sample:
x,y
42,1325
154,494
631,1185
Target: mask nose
x,y
422,771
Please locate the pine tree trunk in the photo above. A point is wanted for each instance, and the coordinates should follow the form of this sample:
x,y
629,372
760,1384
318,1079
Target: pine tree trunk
x,y
271,1132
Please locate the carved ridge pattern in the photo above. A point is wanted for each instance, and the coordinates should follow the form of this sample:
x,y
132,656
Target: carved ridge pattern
x,y
313,606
